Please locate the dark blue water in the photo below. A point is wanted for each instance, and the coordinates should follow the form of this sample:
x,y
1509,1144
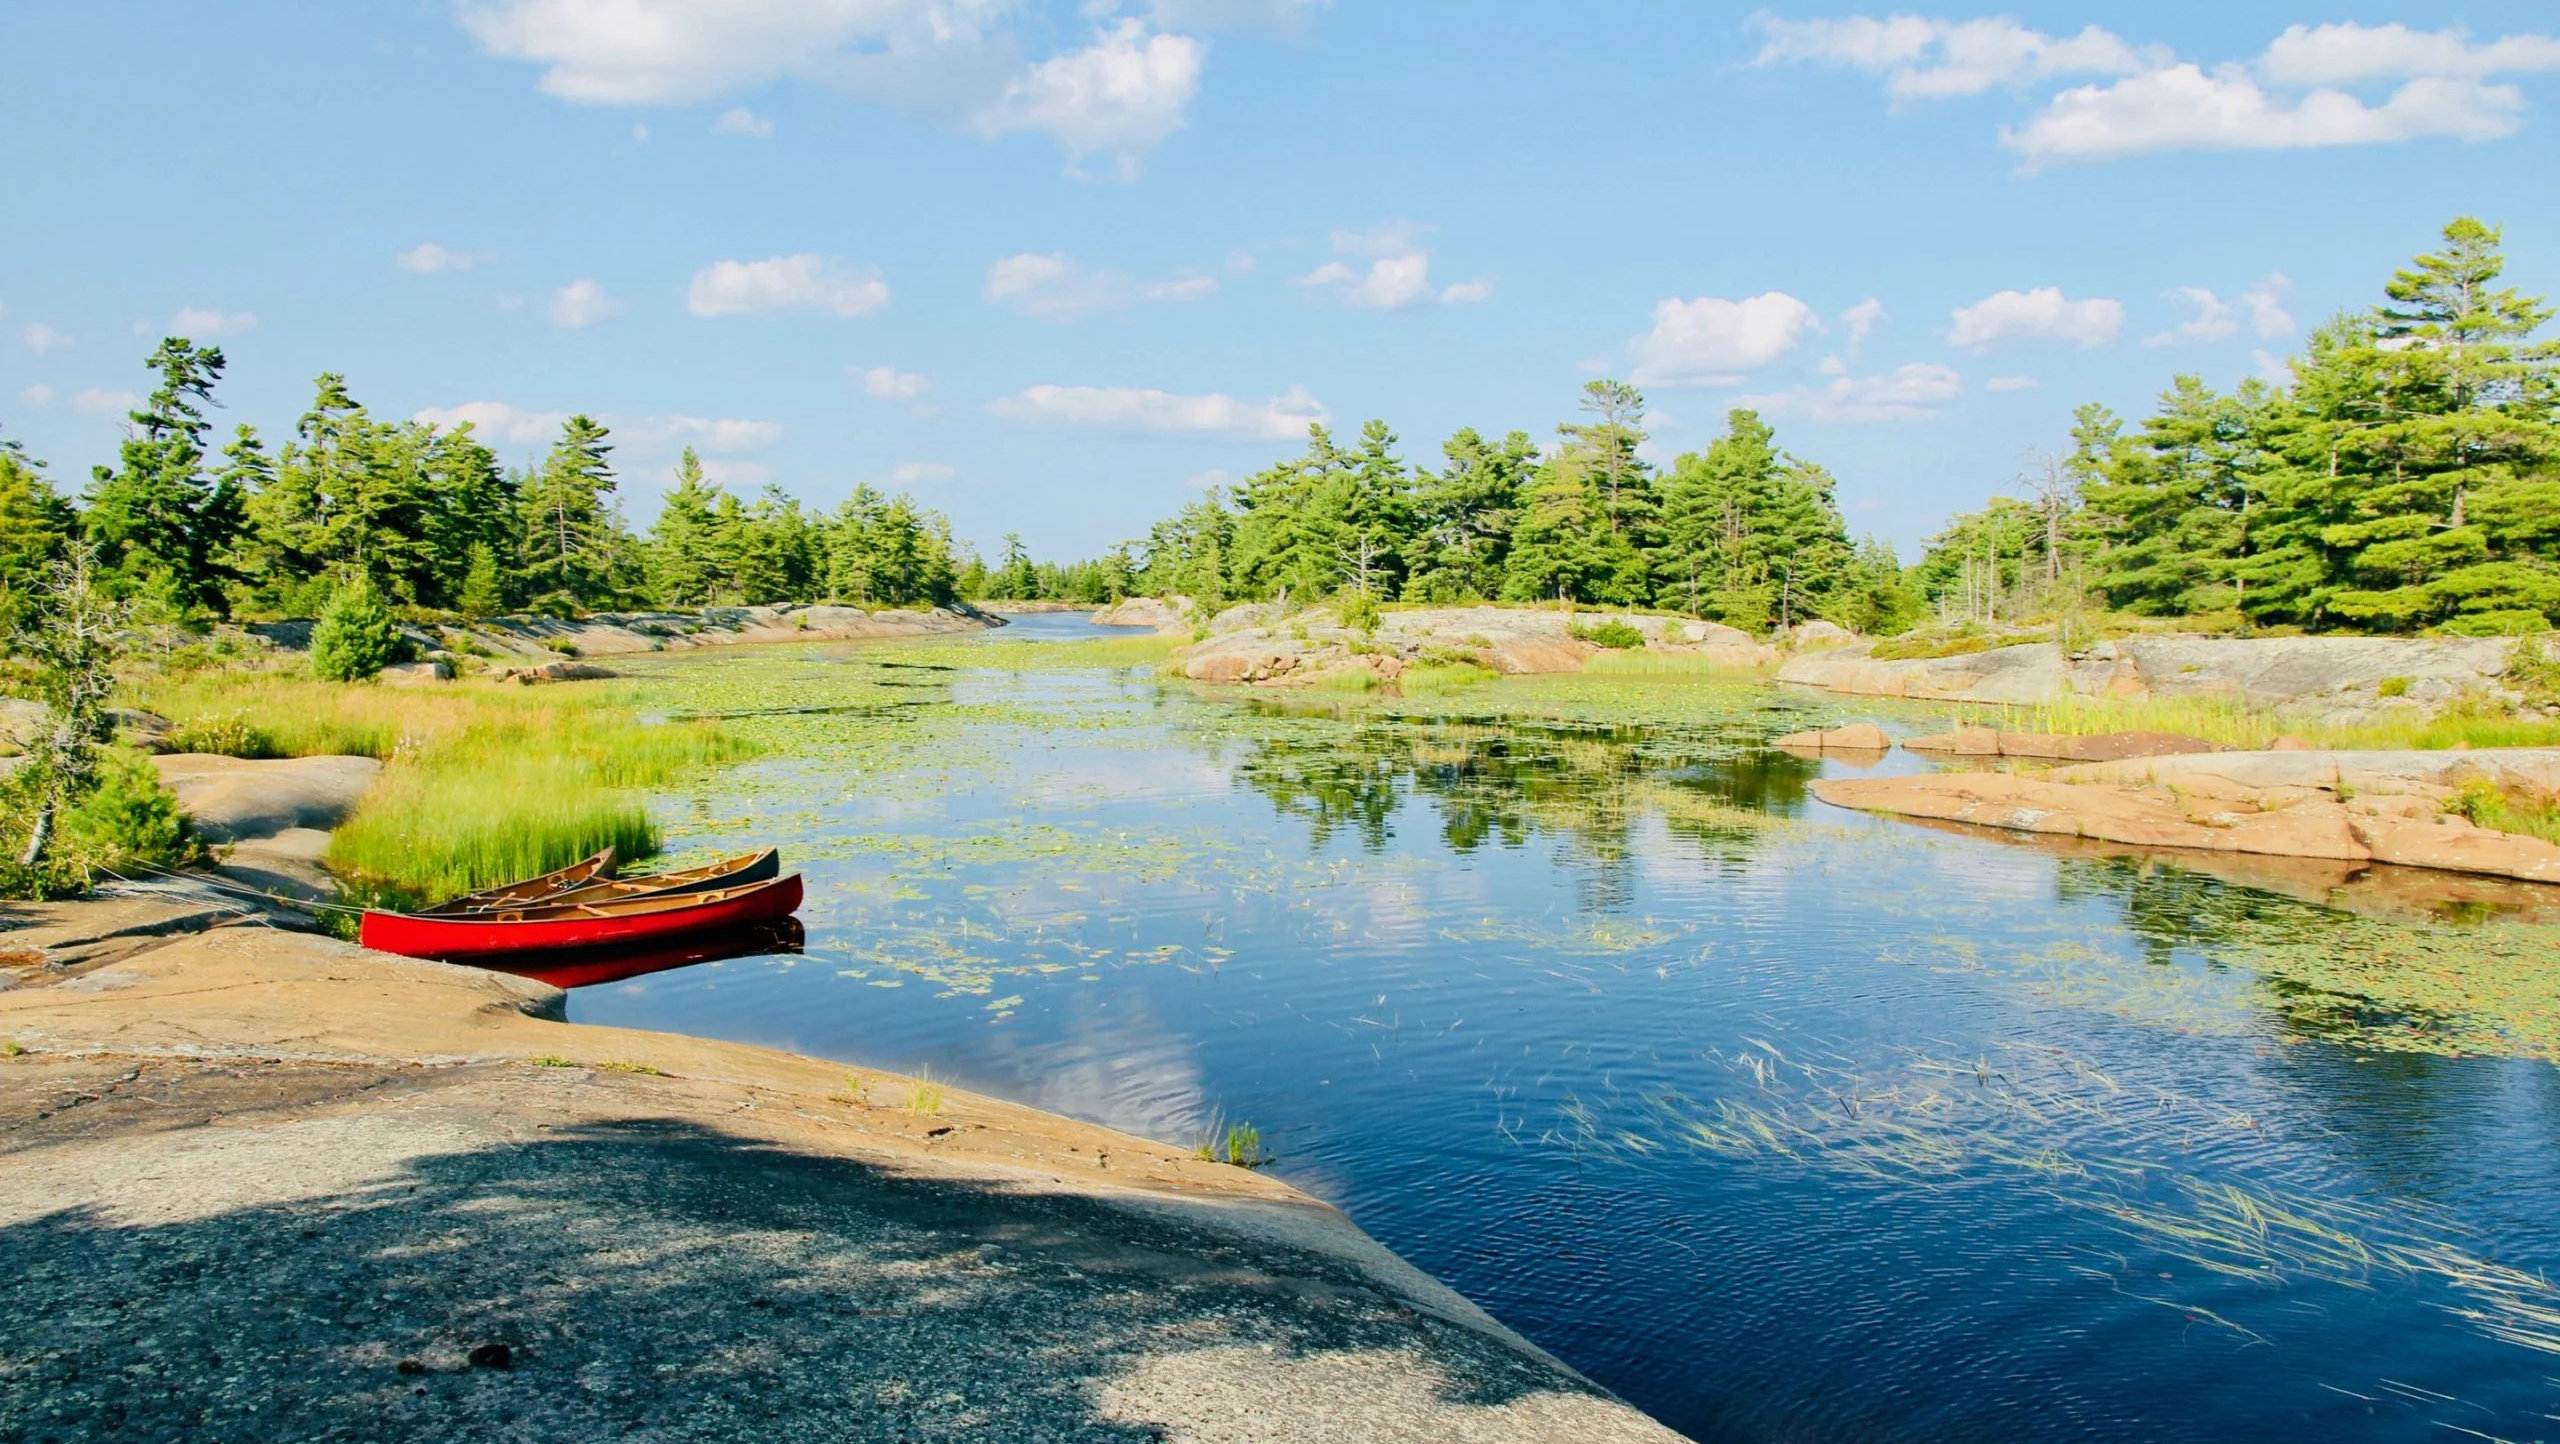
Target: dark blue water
x,y
1779,1121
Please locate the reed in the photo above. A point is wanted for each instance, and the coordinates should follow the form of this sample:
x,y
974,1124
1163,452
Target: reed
x,y
483,785
1658,664
2239,723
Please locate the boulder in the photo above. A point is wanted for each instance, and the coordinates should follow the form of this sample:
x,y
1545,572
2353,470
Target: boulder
x,y
1164,614
1962,742
1856,737
2451,844
1517,655
560,671
1819,636
417,674
2145,817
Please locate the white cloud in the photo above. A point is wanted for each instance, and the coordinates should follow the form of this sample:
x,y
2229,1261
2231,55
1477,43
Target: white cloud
x,y
2313,55
2292,97
198,324
1054,288
920,473
1861,319
41,338
738,120
2043,314
1714,342
735,475
502,424
38,395
582,303
1916,392
2182,108
951,60
1215,476
1122,408
712,434
427,258
2215,319
1120,96
888,383
1398,274
497,423
2265,304
806,282
94,402
2276,370
657,52
1924,59
2012,383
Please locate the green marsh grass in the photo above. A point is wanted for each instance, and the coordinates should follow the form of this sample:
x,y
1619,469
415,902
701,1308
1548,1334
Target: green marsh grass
x,y
1660,664
2236,722
481,786
924,1096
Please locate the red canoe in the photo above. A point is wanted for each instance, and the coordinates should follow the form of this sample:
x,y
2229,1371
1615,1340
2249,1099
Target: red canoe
x,y
583,925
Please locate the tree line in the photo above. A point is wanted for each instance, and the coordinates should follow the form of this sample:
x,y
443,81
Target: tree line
x,y
426,517
2407,479
1738,531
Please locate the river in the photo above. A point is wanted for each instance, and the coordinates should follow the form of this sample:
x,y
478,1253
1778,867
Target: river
x,y
1780,1121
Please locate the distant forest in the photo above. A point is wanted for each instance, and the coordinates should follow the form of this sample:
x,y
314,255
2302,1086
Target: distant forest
x,y
2408,479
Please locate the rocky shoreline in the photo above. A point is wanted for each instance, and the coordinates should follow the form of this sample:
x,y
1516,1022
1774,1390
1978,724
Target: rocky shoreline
x,y
321,1191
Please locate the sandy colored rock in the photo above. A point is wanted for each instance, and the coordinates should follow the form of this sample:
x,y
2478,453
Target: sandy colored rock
x,y
230,798
1819,636
2140,818
1164,614
1530,655
416,674
2331,679
1962,742
561,671
2452,844
339,1175
1856,737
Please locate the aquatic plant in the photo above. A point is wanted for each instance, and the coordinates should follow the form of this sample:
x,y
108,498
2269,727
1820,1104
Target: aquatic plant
x,y
924,1096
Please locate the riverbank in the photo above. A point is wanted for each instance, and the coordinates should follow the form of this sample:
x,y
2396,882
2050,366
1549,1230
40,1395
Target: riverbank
x,y
323,1189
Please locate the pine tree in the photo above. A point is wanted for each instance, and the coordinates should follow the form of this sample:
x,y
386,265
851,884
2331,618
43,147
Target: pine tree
x,y
571,539
159,521
1463,517
686,560
483,592
35,524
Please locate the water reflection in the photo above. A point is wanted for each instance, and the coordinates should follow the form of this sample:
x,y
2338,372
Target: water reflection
x,y
587,967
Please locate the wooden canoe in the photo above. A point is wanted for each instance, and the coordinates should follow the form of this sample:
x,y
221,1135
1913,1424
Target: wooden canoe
x,y
578,925
737,871
531,890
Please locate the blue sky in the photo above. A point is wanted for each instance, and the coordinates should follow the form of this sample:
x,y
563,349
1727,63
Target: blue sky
x,y
1054,268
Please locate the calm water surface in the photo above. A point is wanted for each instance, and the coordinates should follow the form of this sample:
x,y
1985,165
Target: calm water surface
x,y
1781,1122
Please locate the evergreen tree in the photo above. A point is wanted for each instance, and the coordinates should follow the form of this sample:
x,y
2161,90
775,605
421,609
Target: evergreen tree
x,y
571,536
1463,517
159,521
688,562
484,590
35,524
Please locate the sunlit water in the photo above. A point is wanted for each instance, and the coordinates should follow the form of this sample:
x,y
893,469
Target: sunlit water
x,y
1781,1122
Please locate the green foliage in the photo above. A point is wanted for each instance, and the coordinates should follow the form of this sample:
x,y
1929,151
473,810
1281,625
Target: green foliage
x,y
2534,670
354,639
1359,611
2392,687
162,524
35,521
1616,635
2408,480
128,818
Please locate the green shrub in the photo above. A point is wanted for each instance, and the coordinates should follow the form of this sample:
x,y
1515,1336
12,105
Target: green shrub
x,y
2391,687
1615,635
1359,611
2535,672
230,734
355,637
128,818
561,645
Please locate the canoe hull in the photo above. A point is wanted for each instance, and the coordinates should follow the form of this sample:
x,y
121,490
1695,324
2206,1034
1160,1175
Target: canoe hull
x,y
752,867
530,892
471,939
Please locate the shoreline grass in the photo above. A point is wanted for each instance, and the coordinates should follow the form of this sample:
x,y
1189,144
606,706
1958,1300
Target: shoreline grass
x,y
480,786
2249,726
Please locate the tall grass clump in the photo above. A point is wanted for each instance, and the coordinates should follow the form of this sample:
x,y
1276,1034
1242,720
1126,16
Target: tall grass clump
x,y
520,790
1654,664
2237,722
